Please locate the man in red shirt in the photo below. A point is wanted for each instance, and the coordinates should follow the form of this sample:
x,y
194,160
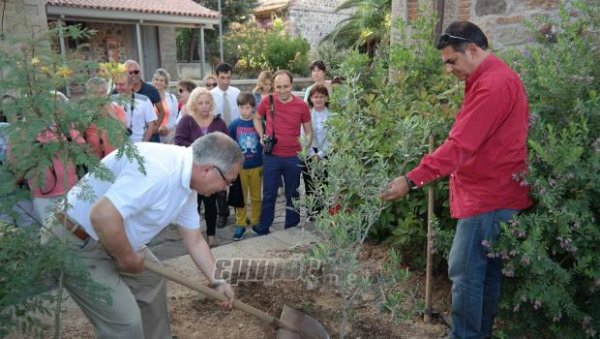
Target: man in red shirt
x,y
289,114
485,156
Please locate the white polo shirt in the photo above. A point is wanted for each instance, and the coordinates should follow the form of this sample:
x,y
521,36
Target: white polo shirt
x,y
138,112
148,203
232,94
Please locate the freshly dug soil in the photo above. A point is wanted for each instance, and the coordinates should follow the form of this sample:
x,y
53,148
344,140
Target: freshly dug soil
x,y
194,316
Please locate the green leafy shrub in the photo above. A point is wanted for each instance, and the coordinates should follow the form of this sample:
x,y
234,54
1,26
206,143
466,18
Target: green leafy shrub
x,y
332,56
27,273
31,74
253,49
390,117
379,127
552,267
382,122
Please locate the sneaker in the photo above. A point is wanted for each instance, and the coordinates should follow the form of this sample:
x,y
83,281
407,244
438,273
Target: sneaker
x,y
239,233
256,229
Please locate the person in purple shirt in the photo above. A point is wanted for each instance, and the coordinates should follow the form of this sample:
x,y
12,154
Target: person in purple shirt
x,y
199,122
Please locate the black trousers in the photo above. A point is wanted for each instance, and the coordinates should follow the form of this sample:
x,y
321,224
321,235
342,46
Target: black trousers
x,y
210,212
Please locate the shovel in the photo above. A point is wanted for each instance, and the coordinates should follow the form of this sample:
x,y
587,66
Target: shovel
x,y
292,325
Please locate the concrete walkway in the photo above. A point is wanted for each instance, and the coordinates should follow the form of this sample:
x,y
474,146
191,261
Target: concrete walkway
x,y
168,243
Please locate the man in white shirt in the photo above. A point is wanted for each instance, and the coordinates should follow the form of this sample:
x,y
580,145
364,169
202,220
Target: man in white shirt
x,y
110,230
225,96
140,118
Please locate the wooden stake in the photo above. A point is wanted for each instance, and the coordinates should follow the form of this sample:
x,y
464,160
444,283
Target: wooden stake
x,y
430,217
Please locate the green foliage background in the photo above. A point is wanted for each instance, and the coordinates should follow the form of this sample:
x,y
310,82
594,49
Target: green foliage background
x,y
188,38
389,106
253,49
32,72
552,267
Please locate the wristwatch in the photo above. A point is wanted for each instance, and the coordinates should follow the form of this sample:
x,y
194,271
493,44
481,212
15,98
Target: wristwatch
x,y
410,183
216,283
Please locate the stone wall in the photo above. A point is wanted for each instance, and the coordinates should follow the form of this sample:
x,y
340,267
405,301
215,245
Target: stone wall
x,y
167,44
503,21
314,19
111,42
22,17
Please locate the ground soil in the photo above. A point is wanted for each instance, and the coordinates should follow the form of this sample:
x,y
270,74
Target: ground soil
x,y
194,316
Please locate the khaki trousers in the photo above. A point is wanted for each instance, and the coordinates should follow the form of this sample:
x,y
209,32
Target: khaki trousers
x,y
138,303
251,180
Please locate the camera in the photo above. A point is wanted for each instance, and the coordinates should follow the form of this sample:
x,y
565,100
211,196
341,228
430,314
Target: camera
x,y
128,132
269,141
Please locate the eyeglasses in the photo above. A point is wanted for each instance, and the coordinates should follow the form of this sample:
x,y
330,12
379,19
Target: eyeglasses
x,y
211,84
134,72
446,36
181,90
228,182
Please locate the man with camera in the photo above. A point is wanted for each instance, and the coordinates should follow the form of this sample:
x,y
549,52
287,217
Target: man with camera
x,y
144,88
140,118
285,116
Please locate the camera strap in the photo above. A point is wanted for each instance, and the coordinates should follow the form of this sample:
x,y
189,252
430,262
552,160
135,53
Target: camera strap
x,y
272,107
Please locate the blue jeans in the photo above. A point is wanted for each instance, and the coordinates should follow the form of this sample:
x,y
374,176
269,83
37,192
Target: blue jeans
x,y
476,279
273,168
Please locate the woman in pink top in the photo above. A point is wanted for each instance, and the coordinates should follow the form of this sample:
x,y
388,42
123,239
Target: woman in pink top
x,y
47,188
47,191
99,141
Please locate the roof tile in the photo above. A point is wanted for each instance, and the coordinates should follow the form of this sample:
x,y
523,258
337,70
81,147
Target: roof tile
x,y
172,7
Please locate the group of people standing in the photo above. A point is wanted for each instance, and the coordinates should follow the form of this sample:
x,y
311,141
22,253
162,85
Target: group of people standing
x,y
151,113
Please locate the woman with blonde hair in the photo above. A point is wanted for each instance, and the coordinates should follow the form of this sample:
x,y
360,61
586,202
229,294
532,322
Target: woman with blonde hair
x,y
209,81
160,80
264,86
200,121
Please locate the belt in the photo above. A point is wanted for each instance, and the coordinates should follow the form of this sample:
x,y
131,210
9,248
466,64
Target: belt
x,y
74,228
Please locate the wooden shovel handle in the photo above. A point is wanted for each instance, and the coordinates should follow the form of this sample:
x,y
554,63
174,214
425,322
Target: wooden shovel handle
x,y
209,292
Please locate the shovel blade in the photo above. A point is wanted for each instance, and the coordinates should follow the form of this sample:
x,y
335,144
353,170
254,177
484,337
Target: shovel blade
x,y
309,327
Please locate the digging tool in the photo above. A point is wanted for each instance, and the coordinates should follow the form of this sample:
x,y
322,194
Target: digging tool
x,y
292,325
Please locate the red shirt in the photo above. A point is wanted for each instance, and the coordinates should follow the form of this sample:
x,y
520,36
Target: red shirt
x,y
289,118
486,148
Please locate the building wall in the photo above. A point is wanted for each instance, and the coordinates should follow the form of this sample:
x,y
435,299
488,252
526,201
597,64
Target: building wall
x,y
503,21
23,17
314,19
111,42
167,42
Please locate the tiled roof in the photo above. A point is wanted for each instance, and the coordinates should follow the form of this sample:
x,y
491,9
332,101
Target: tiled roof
x,y
271,5
168,7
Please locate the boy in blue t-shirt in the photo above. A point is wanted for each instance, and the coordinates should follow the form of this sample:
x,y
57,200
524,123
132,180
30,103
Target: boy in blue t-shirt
x,y
242,130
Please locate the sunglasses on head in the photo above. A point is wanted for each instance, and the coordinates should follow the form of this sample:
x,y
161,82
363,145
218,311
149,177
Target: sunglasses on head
x,y
134,72
211,84
446,37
